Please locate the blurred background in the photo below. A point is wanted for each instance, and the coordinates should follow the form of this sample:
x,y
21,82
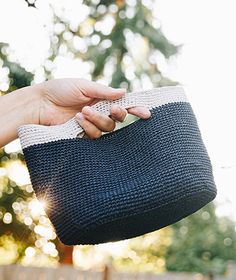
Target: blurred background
x,y
137,45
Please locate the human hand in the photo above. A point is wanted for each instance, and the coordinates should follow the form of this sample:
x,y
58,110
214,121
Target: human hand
x,y
62,99
56,101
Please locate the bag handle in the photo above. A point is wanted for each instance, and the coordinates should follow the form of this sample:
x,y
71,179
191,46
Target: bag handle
x,y
32,134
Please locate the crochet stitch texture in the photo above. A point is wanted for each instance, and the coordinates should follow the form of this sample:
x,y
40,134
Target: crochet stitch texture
x,y
135,180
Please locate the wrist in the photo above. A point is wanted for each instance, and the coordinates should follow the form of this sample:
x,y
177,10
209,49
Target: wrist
x,y
18,108
28,100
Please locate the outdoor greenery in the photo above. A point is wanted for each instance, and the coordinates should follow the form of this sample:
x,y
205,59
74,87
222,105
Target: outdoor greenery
x,y
202,242
121,41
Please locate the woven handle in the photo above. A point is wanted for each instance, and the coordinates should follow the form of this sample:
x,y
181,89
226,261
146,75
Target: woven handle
x,y
38,134
129,100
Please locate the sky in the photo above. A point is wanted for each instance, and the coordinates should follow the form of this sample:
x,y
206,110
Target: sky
x,y
205,66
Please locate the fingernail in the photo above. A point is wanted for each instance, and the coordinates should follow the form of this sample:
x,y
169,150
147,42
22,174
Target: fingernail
x,y
123,90
79,116
116,109
87,110
145,112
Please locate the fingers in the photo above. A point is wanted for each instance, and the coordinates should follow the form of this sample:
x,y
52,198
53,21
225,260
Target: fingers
x,y
94,122
101,121
99,91
141,112
118,113
90,129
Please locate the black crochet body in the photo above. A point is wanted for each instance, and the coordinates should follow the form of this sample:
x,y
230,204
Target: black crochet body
x,y
143,177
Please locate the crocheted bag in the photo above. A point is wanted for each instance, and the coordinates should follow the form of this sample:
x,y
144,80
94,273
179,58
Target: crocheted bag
x,y
135,180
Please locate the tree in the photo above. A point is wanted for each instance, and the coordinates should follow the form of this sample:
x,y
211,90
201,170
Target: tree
x,y
122,42
22,220
145,253
105,40
202,243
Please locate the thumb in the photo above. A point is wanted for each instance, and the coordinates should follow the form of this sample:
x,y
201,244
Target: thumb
x,y
96,90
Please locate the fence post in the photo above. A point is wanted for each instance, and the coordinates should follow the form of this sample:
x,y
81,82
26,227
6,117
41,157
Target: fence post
x,y
106,273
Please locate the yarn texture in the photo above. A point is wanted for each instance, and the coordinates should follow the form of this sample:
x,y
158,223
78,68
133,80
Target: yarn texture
x,y
132,181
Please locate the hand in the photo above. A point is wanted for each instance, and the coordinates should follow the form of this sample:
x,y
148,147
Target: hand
x,y
62,99
56,101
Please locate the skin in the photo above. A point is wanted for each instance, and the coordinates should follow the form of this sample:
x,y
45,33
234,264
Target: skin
x,y
56,101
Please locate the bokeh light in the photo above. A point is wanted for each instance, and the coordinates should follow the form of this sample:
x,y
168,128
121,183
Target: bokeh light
x,y
205,65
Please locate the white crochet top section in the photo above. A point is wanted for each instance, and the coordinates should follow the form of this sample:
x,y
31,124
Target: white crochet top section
x,y
32,134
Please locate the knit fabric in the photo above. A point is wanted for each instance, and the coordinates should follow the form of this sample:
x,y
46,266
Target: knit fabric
x,y
39,134
135,180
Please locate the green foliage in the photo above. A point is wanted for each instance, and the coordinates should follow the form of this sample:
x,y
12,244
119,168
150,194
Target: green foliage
x,y
10,192
202,242
99,56
115,46
145,253
18,76
17,231
15,235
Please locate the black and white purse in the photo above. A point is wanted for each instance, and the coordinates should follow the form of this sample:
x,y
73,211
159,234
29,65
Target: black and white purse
x,y
135,180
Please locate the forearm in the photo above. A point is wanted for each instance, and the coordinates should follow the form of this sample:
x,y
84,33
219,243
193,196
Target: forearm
x,y
17,108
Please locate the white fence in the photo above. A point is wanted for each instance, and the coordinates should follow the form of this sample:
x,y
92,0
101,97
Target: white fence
x,y
17,272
